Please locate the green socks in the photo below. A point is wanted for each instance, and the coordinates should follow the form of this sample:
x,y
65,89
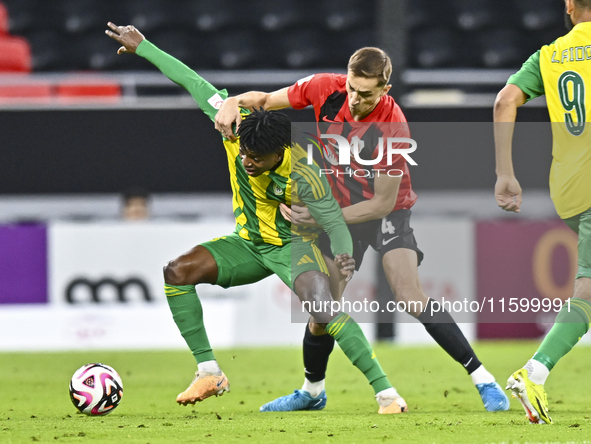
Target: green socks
x,y
352,341
188,315
568,329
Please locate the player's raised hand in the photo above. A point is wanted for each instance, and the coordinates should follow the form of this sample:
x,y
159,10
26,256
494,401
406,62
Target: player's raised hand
x,y
346,265
127,36
508,193
227,118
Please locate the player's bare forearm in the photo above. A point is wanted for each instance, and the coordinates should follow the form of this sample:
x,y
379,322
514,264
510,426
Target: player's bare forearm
x,y
269,101
228,115
366,210
508,192
505,113
380,205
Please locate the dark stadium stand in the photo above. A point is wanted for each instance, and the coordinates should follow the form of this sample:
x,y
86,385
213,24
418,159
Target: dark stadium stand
x,y
263,34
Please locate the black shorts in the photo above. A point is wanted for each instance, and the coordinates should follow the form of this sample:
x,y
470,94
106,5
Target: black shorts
x,y
386,234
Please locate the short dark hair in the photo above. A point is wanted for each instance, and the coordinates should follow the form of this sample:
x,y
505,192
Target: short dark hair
x,y
265,132
370,62
585,4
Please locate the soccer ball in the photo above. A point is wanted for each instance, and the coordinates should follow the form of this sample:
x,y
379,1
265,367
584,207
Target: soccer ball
x,y
96,389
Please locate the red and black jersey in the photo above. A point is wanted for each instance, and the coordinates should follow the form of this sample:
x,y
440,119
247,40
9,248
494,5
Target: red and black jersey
x,y
354,183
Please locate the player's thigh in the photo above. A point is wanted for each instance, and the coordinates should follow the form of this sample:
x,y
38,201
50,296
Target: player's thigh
x,y
305,256
400,268
197,266
238,263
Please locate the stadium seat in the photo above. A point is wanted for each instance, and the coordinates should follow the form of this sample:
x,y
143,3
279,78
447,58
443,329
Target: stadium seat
x,y
536,15
3,20
219,15
189,46
27,16
37,93
301,49
284,15
238,50
437,48
150,15
471,15
501,48
422,13
47,48
342,45
82,16
347,15
74,92
15,54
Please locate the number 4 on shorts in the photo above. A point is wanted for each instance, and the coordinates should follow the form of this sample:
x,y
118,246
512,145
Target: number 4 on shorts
x,y
387,227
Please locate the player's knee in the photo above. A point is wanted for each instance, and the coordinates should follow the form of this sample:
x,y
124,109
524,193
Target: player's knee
x,y
411,295
406,291
316,329
175,274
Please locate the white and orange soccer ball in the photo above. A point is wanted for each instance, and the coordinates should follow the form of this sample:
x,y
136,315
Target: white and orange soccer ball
x,y
96,389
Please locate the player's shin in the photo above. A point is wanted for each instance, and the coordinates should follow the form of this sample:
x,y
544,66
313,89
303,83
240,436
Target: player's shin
x,y
444,330
188,315
317,349
354,344
570,325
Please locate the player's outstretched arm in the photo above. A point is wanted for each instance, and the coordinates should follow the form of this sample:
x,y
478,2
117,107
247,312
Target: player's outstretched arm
x,y
229,113
205,94
507,189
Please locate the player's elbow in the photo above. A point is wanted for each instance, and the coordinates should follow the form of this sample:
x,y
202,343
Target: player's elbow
x,y
508,100
501,102
382,208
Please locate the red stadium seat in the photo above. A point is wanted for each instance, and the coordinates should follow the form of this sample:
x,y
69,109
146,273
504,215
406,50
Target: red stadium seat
x,y
15,54
3,20
34,93
72,92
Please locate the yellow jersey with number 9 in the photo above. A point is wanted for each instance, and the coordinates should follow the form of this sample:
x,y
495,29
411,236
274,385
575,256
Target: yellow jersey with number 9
x,y
562,71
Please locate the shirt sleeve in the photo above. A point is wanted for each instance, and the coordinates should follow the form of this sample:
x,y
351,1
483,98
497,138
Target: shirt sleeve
x,y
529,78
208,97
307,91
314,191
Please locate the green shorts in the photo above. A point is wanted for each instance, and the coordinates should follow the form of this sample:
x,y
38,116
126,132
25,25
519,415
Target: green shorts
x,y
242,262
581,224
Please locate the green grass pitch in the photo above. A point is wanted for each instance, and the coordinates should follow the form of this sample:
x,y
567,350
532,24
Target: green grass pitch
x,y
444,406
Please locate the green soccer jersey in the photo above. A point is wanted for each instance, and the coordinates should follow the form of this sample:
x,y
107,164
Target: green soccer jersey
x,y
256,199
562,71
